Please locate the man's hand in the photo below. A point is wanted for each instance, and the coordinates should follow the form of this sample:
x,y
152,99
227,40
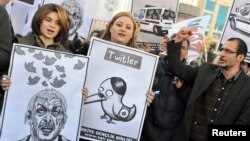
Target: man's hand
x,y
183,33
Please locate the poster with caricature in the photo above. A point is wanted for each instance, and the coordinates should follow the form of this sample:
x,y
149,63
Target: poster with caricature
x,y
44,100
118,80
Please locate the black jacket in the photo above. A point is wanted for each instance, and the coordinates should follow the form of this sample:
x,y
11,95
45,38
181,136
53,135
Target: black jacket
x,y
167,109
236,109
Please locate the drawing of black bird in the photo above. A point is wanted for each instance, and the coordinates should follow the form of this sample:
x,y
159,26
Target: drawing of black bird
x,y
58,55
31,50
46,73
49,61
60,68
39,56
33,81
30,67
20,51
45,84
57,83
110,94
79,65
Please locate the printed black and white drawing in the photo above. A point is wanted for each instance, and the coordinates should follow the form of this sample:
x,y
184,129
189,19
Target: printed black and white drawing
x,y
45,97
46,115
238,19
30,2
156,18
116,104
75,12
110,93
238,24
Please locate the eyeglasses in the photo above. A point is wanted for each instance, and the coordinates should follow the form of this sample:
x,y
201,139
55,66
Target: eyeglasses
x,y
228,51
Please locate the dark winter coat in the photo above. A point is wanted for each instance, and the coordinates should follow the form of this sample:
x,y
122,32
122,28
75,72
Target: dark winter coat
x,y
167,109
236,109
34,40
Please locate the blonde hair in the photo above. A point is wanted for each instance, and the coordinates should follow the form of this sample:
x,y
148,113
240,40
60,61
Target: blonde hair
x,y
107,35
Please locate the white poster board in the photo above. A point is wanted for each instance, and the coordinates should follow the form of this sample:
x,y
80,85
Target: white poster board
x,y
238,24
198,27
45,94
156,18
22,14
118,80
28,2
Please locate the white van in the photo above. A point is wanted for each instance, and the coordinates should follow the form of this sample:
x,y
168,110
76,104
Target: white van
x,y
240,18
155,19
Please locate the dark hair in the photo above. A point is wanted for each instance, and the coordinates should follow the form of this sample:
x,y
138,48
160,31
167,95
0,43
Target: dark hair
x,y
40,15
242,46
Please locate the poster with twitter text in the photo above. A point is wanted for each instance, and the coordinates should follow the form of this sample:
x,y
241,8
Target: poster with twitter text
x,y
119,77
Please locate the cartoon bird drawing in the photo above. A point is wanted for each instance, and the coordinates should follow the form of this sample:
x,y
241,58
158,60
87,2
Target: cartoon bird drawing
x,y
39,56
60,68
79,65
33,81
58,55
110,93
45,84
63,75
30,67
31,50
19,51
46,73
57,83
49,61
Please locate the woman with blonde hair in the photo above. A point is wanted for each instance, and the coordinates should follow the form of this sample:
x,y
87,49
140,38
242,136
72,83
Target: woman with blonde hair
x,y
122,29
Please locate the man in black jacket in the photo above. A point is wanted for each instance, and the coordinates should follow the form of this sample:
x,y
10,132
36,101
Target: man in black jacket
x,y
220,93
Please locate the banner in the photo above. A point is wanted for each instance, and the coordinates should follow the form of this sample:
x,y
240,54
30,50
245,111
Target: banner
x,y
238,24
44,100
118,79
198,26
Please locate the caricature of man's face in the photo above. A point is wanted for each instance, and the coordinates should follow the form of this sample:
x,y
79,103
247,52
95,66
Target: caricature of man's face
x,y
47,118
75,13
